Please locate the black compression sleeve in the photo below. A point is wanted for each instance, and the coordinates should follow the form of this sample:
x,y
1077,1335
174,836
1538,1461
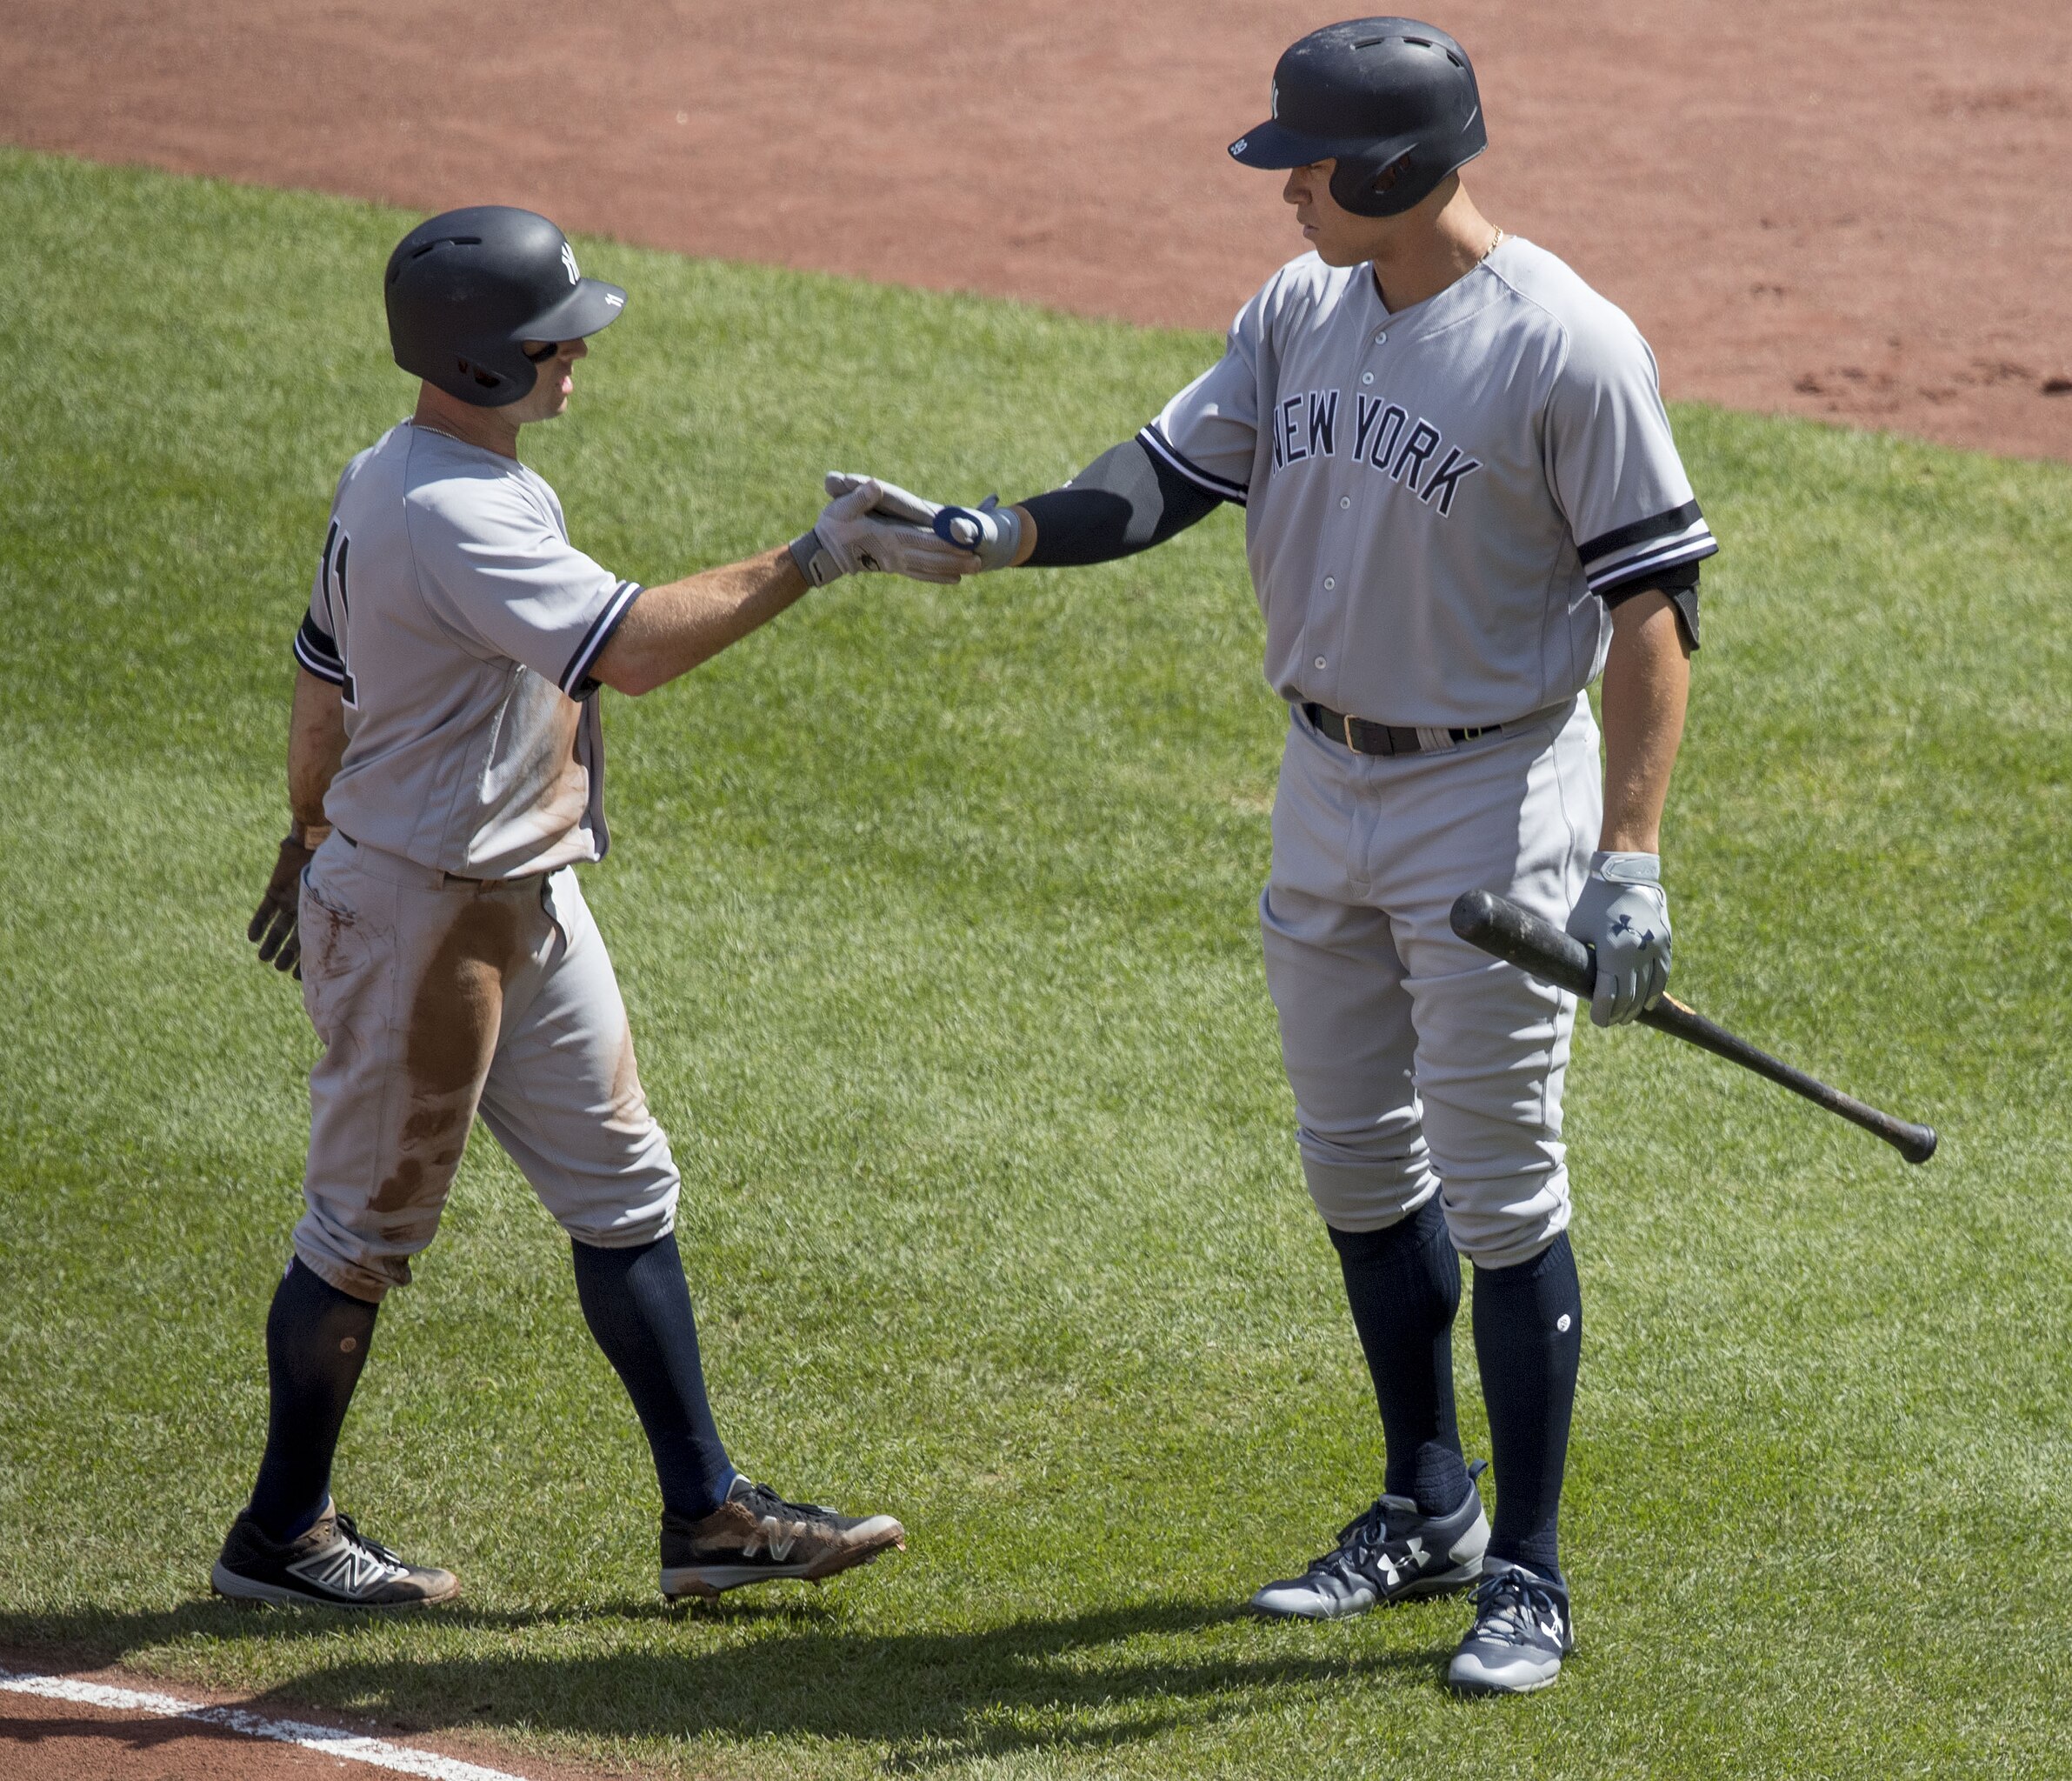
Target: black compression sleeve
x,y
1125,501
1680,583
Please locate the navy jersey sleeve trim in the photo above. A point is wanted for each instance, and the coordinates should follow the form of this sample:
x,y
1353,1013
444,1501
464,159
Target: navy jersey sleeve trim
x,y
318,652
574,678
1647,563
1163,449
1663,539
1656,526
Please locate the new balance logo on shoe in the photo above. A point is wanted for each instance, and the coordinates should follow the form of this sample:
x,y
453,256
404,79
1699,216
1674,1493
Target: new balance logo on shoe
x,y
756,1536
332,1563
346,1569
776,1540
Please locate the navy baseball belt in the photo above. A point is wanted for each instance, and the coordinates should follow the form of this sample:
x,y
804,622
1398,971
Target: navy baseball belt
x,y
1365,738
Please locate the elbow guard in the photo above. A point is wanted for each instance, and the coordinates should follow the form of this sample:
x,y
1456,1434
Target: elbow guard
x,y
1680,583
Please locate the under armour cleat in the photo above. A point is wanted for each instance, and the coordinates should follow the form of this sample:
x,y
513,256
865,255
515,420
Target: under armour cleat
x,y
332,1563
755,1536
1392,1553
1523,1629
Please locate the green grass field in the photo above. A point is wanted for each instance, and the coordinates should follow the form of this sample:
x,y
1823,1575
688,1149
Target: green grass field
x,y
935,910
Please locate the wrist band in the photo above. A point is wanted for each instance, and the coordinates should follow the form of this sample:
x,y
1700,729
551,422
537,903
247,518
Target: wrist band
x,y
1627,868
813,559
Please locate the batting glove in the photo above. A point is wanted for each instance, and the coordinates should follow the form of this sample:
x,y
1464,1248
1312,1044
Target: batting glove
x,y
992,532
989,531
849,537
276,927
1624,913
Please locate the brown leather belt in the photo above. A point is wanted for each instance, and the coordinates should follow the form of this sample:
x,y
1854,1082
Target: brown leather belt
x,y
1365,738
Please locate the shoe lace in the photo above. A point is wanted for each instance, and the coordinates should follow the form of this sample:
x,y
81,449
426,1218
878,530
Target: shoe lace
x,y
1361,1541
764,1501
349,1530
1514,1606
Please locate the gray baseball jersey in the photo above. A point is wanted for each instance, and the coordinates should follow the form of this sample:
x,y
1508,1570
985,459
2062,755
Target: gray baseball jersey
x,y
460,625
1432,496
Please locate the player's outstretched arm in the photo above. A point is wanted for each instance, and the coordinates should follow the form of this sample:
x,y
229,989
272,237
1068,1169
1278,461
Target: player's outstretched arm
x,y
1127,500
315,744
669,629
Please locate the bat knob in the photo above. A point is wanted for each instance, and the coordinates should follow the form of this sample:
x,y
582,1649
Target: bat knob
x,y
1919,1144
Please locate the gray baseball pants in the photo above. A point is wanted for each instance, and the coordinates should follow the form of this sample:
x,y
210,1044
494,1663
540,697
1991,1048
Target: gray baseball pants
x,y
439,997
1420,1064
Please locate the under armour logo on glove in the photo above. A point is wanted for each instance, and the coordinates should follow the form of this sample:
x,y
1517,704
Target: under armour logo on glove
x,y
1623,914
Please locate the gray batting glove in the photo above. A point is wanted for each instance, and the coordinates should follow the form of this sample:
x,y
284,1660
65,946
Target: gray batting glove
x,y
1624,913
991,531
849,539
892,500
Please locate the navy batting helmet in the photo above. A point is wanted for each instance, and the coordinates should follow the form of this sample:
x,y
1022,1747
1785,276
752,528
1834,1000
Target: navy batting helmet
x,y
1380,95
465,287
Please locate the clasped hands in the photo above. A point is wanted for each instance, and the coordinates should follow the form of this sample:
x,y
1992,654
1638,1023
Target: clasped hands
x,y
873,526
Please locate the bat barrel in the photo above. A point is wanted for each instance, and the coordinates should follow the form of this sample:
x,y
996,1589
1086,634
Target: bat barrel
x,y
1500,927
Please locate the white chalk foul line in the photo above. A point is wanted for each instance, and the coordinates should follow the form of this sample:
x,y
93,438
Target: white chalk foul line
x,y
397,1758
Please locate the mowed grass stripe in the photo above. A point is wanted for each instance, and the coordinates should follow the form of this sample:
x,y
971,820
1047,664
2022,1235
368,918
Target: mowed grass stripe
x,y
933,909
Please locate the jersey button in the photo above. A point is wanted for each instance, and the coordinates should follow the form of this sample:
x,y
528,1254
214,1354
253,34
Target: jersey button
x,y
1345,500
1367,377
1320,661
1380,334
1329,583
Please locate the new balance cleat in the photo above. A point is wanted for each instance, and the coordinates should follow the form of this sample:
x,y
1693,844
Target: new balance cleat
x,y
1392,1553
333,1565
1523,1629
755,1536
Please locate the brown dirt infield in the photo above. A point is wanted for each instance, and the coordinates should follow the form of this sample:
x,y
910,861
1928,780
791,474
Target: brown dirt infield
x,y
43,1739
1833,209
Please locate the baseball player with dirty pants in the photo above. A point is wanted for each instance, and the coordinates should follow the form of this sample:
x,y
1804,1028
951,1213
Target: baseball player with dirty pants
x,y
445,774
1462,504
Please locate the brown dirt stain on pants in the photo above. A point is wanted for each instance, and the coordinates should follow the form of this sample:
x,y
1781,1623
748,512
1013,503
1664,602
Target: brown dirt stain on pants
x,y
629,1101
450,1041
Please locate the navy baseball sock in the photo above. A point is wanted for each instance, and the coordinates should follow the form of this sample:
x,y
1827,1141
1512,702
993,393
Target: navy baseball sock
x,y
316,1340
1404,1286
637,1305
1528,1338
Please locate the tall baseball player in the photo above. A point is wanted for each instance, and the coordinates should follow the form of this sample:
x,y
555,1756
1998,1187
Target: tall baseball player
x,y
1463,502
445,772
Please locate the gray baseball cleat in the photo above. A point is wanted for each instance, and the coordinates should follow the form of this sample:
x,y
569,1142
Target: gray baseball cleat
x,y
1392,1553
755,1537
332,1563
1523,1629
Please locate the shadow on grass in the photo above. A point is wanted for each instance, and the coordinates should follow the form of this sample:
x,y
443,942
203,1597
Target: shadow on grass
x,y
1104,1679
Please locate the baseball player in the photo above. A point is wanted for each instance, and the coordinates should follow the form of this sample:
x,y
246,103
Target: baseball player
x,y
445,772
1462,504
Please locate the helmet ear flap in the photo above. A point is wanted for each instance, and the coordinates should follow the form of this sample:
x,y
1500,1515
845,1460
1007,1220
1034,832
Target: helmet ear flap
x,y
1368,186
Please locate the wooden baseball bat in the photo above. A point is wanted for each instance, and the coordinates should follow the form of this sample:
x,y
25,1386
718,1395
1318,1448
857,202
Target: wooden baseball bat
x,y
1540,949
